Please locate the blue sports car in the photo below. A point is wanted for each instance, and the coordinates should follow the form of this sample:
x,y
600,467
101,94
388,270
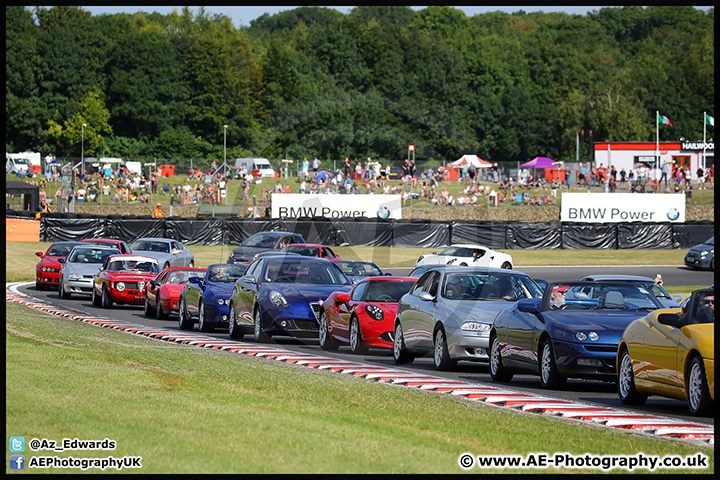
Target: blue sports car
x,y
572,332
283,295
205,299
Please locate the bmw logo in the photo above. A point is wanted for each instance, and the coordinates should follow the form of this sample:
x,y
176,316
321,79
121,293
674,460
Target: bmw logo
x,y
673,214
383,212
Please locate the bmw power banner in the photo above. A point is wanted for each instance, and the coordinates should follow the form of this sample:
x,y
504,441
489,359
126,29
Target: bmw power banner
x,y
294,205
623,207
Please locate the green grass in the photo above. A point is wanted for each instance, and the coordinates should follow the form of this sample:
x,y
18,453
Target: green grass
x,y
191,410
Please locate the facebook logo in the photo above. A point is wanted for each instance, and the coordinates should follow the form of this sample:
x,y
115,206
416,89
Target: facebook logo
x,y
17,444
17,462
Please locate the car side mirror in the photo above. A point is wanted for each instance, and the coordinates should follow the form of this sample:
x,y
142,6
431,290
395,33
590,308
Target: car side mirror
x,y
195,280
249,279
39,254
678,299
342,298
154,283
529,306
425,297
61,260
670,319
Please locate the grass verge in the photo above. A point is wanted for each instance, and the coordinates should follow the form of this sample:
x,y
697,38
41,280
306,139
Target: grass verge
x,y
190,410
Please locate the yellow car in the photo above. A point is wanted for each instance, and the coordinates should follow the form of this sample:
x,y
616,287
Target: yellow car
x,y
671,352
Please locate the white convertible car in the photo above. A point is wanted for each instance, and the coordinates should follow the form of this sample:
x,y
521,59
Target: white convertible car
x,y
472,255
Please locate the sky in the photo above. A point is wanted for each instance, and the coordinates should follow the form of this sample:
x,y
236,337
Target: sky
x,y
242,15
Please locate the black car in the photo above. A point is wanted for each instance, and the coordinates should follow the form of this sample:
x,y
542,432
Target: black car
x,y
262,242
702,256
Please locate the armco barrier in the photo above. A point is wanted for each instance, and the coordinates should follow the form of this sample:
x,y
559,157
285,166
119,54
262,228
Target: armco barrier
x,y
387,233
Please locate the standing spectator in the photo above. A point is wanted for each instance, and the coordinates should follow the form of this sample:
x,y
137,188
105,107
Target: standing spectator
x,y
154,181
687,176
347,167
709,175
688,192
316,166
666,172
701,178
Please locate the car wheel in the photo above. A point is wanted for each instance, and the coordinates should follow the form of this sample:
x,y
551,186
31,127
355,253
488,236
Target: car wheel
x,y
96,301
148,311
203,324
159,312
260,335
626,382
183,321
356,343
400,351
106,300
233,328
698,394
61,291
441,355
497,371
549,375
326,342
506,265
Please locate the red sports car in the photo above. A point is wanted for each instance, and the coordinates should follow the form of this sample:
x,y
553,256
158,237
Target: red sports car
x,y
162,294
366,316
311,250
122,279
47,270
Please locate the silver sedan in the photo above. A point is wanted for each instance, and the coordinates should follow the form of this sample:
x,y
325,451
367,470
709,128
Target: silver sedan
x,y
450,311
168,252
80,267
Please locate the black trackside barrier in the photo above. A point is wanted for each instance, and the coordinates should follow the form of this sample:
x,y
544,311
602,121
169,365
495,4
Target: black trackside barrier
x,y
386,233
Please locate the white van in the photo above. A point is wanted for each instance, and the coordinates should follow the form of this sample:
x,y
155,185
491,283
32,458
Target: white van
x,y
262,165
14,164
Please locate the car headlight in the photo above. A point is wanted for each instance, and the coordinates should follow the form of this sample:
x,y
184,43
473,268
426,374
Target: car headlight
x,y
74,276
476,327
120,286
278,300
704,253
593,336
375,312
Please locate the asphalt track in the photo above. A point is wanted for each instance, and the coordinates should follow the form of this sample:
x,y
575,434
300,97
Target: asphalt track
x,y
597,396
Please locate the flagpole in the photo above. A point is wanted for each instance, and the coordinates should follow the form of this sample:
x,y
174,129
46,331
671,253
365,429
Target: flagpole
x,y
657,139
704,137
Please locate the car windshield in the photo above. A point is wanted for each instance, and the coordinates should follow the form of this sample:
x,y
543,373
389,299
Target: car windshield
x,y
302,250
89,255
600,296
151,246
387,291
226,273
364,269
302,271
261,241
59,250
489,286
460,251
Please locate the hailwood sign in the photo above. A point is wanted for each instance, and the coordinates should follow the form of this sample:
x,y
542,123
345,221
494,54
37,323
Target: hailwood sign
x,y
622,207
294,205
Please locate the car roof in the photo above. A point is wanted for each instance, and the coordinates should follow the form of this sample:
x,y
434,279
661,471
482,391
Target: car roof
x,y
98,247
155,239
132,256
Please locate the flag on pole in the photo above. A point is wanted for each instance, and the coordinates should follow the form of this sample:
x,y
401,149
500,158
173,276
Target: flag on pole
x,y
664,120
709,120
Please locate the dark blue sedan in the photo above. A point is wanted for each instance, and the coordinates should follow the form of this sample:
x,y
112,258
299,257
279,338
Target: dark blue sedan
x,y
205,299
283,295
572,332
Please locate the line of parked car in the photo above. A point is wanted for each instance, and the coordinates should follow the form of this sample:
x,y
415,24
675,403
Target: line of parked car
x,y
467,303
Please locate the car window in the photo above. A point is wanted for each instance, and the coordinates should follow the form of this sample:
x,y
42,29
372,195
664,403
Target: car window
x,y
261,241
358,291
431,286
704,308
420,283
59,250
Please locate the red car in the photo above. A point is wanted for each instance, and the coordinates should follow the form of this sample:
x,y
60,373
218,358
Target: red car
x,y
366,316
122,279
162,294
311,250
121,245
47,270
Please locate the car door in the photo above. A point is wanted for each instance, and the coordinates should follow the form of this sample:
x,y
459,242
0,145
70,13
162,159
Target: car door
x,y
418,319
660,344
246,291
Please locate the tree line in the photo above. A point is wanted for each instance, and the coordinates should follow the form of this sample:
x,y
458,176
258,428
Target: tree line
x,y
316,82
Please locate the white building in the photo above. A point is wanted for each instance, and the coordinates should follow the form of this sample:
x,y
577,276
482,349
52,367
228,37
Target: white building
x,y
627,154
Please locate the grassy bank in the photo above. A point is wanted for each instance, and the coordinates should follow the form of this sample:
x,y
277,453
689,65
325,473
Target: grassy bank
x,y
189,410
